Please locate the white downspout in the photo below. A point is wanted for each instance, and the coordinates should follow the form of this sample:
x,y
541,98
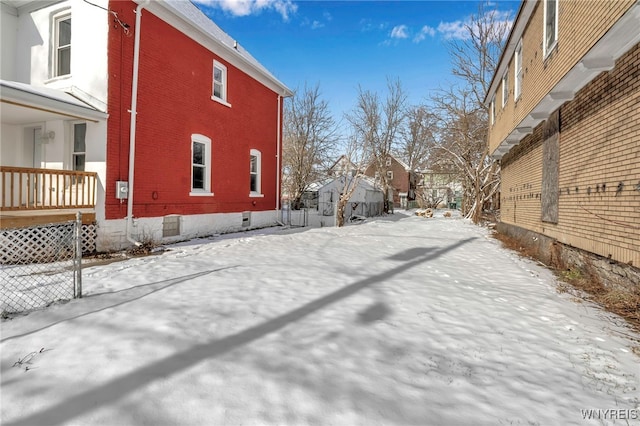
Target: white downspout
x,y
134,112
278,156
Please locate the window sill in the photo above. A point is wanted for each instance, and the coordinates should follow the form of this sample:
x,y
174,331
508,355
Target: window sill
x,y
221,101
201,194
256,195
550,51
57,78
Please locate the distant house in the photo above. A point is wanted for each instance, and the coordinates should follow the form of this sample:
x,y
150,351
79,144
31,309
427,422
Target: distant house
x,y
439,187
99,114
342,166
403,180
565,126
367,199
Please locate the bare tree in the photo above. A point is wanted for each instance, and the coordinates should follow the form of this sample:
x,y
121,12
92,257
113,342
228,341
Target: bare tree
x,y
350,177
475,58
462,141
376,125
417,137
463,115
309,140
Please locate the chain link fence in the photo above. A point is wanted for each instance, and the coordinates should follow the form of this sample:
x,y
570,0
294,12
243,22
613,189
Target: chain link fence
x,y
40,265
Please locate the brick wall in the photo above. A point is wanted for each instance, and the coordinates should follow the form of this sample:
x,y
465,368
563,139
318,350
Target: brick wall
x,y
599,149
174,102
581,23
400,181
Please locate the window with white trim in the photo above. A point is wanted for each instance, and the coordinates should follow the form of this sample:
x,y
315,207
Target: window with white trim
x,y
255,169
61,44
505,88
200,165
517,82
388,162
550,29
389,175
492,111
79,154
219,82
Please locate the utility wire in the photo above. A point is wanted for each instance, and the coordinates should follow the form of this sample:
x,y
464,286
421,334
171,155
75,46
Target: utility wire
x,y
124,25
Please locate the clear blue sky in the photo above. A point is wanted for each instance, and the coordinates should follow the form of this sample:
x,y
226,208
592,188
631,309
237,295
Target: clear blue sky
x,y
345,44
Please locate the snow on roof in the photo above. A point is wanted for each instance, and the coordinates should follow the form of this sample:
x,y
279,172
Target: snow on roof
x,y
27,95
363,181
45,92
233,51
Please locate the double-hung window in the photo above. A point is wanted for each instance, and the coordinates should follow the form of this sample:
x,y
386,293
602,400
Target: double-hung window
x,y
517,88
79,153
255,167
550,29
505,88
200,165
219,83
61,44
492,111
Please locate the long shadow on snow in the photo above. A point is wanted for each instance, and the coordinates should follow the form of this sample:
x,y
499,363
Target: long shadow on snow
x,y
167,283
119,387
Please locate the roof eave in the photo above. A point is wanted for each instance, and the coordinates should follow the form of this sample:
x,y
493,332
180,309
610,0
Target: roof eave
x,y
226,52
31,99
520,23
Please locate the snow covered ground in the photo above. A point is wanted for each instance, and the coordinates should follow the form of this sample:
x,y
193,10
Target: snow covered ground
x,y
400,320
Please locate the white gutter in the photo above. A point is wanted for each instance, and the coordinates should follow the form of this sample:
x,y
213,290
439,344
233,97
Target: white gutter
x,y
278,156
134,112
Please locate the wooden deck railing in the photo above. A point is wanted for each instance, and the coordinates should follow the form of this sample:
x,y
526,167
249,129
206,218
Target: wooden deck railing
x,y
36,189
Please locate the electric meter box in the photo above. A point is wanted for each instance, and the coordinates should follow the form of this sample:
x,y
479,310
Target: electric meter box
x,y
122,189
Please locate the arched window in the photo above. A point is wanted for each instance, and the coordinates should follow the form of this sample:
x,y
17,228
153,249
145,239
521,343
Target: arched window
x,y
200,165
255,173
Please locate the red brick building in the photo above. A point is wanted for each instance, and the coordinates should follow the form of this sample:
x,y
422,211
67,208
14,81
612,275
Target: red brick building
x,y
207,121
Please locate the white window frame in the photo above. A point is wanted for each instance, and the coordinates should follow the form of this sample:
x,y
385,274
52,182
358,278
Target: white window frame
x,y
258,172
223,83
390,174
505,88
75,153
388,162
548,47
206,191
492,111
55,38
517,81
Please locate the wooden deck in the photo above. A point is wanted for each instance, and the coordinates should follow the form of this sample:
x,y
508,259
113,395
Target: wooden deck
x,y
33,196
25,218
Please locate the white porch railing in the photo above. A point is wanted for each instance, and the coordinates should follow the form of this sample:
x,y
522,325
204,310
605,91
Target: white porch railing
x,y
26,188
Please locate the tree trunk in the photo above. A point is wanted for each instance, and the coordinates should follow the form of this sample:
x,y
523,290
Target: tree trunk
x,y
340,212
